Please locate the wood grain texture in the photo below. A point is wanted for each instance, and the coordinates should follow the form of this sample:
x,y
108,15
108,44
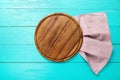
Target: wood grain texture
x,y
28,53
45,71
31,17
16,34
58,37
19,58
68,4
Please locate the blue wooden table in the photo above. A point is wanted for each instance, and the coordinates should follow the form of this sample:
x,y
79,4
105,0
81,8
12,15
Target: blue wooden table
x,y
19,58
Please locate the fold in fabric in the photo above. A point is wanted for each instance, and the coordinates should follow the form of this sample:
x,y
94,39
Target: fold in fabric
x,y
96,48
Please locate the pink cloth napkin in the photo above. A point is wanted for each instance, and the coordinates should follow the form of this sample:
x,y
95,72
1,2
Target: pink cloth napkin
x,y
96,48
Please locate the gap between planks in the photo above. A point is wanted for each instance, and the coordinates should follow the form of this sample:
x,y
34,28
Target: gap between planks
x,y
51,62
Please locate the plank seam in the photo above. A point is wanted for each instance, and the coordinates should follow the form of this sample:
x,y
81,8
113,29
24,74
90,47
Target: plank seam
x,y
51,62
59,8
34,44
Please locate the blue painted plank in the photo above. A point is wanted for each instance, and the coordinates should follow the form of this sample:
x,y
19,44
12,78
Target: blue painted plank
x,y
29,53
31,17
24,15
55,71
77,4
17,35
25,35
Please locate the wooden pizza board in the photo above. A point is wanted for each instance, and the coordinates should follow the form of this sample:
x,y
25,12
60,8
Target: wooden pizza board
x,y
58,37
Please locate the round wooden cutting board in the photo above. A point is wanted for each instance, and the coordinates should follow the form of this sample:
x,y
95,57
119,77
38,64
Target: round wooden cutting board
x,y
58,37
